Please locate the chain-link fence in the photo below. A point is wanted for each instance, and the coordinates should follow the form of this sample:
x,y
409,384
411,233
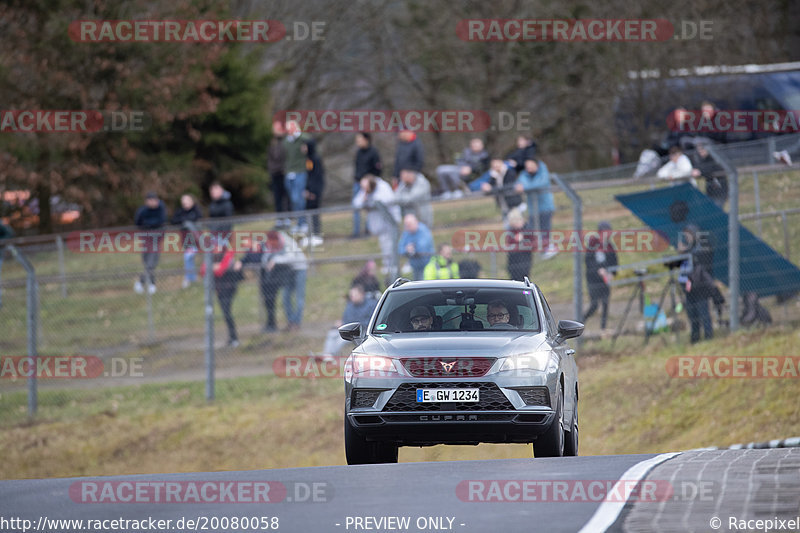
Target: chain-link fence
x,y
95,330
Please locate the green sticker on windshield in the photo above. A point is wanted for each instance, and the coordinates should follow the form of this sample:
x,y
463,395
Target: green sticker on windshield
x,y
381,326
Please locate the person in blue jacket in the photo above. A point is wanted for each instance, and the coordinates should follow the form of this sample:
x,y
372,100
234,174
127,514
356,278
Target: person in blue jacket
x,y
534,181
416,243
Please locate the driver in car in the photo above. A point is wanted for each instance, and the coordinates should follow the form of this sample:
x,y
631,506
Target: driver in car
x,y
497,313
421,319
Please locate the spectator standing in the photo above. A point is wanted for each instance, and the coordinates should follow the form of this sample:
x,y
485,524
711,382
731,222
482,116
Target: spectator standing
x,y
296,172
228,273
187,211
416,243
520,258
697,281
272,277
221,206
315,186
408,154
413,195
276,165
5,233
441,265
716,182
150,217
359,309
501,183
599,259
288,252
535,183
382,219
367,161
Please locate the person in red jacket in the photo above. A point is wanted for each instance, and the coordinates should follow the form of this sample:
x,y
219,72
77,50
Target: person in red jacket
x,y
227,275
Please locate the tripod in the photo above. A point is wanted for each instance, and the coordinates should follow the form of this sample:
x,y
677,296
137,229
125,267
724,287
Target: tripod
x,y
671,287
638,292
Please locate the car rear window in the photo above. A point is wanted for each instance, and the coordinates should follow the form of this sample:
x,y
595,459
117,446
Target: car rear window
x,y
455,309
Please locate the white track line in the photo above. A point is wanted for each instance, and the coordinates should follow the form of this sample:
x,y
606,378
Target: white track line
x,y
608,512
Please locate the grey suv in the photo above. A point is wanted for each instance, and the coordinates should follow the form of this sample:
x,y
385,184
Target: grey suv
x,y
460,362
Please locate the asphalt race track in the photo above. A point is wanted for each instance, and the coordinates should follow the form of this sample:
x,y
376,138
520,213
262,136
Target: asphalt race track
x,y
668,492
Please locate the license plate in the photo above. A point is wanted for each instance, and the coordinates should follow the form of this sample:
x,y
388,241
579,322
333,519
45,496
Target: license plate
x,y
447,395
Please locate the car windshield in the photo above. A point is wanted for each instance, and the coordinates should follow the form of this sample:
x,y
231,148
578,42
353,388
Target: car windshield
x,y
454,309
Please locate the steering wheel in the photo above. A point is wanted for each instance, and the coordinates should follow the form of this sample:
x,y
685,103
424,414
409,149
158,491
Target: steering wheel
x,y
502,325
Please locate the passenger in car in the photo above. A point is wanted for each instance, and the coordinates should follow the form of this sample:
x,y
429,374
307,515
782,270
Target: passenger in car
x,y
497,313
421,318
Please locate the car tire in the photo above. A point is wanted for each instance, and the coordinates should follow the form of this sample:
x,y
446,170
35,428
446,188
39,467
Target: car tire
x,y
551,442
360,451
571,436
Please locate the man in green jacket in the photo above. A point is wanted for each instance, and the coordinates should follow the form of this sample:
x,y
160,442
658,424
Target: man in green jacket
x,y
441,265
295,167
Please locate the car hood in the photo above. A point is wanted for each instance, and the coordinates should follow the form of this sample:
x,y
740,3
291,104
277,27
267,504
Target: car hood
x,y
483,344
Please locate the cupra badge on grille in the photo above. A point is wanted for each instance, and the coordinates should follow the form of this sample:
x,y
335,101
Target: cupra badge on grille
x,y
448,367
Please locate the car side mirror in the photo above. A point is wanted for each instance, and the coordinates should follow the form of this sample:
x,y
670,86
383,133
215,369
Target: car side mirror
x,y
350,332
569,329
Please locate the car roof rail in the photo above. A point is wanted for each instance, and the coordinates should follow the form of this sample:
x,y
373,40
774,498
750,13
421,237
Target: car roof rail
x,y
527,281
400,281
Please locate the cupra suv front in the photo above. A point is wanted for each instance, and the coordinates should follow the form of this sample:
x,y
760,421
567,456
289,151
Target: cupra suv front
x,y
460,362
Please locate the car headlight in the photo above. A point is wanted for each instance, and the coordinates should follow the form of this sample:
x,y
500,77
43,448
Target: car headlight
x,y
526,361
373,366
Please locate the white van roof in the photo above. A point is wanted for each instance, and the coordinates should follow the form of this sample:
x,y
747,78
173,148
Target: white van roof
x,y
711,70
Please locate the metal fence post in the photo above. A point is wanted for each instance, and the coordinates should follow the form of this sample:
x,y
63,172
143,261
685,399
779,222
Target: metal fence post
x,y
62,272
208,306
577,263
733,235
208,303
151,328
757,193
32,300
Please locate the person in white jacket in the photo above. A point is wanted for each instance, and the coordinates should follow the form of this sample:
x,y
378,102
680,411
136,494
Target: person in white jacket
x,y
678,168
382,219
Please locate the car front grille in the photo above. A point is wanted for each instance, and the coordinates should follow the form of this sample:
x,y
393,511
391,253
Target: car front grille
x,y
534,395
405,398
448,367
